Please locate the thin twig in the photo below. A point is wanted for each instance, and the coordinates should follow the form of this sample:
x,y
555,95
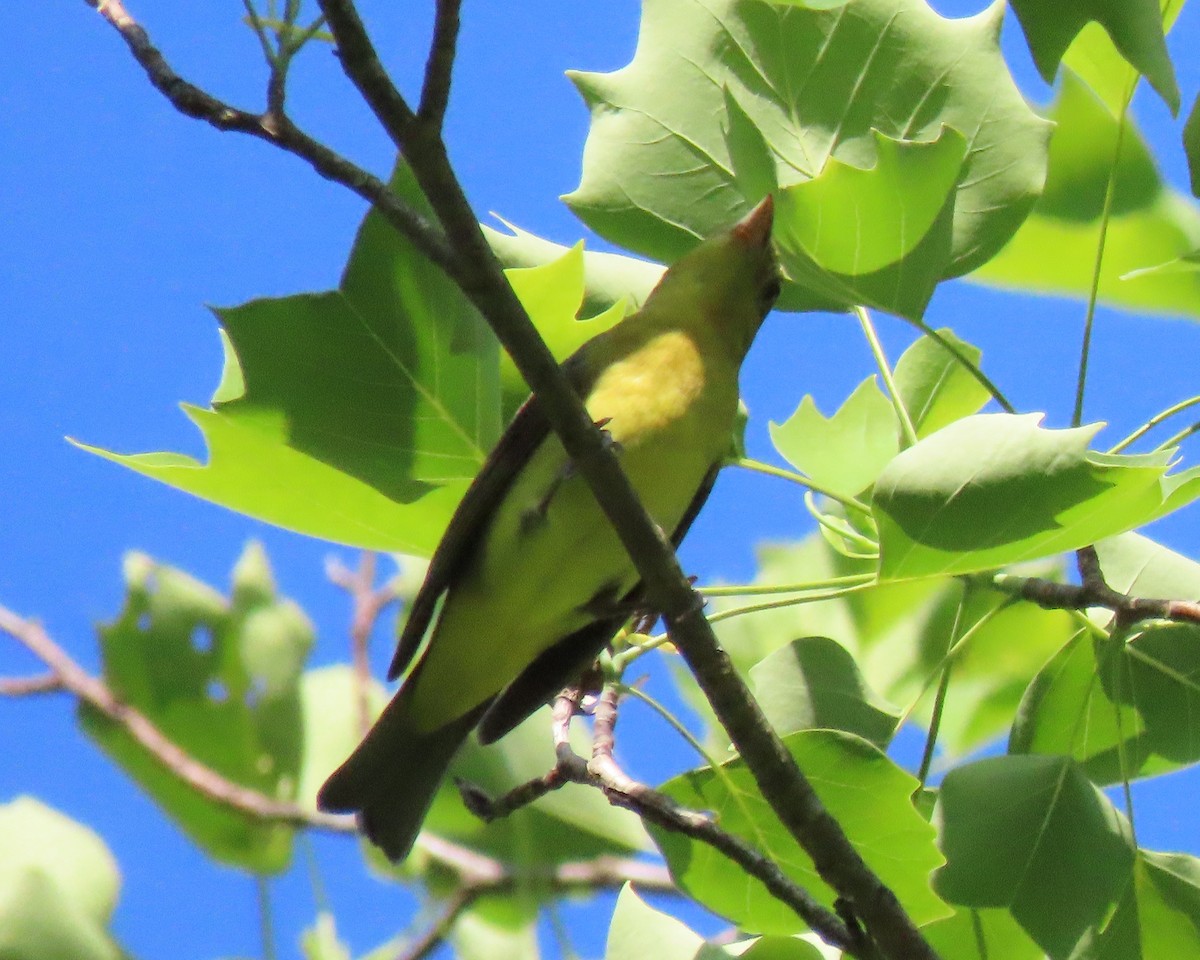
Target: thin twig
x,y
652,806
27,686
279,131
368,602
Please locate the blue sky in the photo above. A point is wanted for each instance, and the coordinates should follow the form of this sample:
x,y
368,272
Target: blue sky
x,y
120,220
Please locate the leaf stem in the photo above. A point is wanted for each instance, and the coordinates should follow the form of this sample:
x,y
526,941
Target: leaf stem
x,y
973,369
885,371
1153,422
754,589
850,503
1110,190
939,699
1178,438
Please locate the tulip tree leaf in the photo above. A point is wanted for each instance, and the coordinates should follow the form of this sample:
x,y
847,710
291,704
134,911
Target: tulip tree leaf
x,y
1134,26
668,159
219,679
1066,853
864,791
995,489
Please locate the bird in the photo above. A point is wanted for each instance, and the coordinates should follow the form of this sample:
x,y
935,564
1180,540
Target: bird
x,y
529,582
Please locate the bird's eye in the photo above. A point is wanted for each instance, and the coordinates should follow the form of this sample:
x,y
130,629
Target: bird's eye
x,y
770,292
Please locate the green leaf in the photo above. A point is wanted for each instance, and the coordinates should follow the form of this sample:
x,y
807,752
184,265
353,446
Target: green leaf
x,y
864,791
1128,709
358,415
880,236
1134,26
1191,145
1159,916
553,295
608,278
220,681
934,386
638,931
58,887
1055,249
320,941
668,159
996,489
1065,854
981,935
845,452
475,937
814,683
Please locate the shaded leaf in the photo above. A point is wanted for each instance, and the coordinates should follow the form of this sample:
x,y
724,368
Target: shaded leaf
x,y
863,790
1134,26
814,683
1159,916
973,934
1066,853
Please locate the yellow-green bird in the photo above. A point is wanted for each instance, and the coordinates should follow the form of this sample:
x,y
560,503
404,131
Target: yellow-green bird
x,y
534,580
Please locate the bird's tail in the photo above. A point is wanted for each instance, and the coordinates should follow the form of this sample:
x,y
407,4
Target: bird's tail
x,y
391,779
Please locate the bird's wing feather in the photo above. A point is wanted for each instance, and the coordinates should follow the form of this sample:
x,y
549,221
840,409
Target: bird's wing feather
x,y
526,431
562,663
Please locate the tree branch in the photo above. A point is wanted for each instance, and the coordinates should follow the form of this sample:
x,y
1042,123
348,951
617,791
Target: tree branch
x,y
368,602
474,268
435,91
605,774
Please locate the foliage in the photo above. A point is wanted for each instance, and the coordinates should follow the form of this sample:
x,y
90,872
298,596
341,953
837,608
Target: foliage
x,y
902,154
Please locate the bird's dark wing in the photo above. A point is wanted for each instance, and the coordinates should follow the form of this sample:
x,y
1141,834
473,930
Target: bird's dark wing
x,y
526,431
562,663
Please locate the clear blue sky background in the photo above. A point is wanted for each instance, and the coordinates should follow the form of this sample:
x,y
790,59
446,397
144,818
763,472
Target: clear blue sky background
x,y
120,220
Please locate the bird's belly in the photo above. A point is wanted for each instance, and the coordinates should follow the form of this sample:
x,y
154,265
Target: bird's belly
x,y
549,559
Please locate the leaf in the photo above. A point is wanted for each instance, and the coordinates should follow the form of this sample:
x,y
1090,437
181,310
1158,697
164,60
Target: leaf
x,y
219,679
666,157
997,489
608,278
553,296
814,683
475,937
1055,249
58,886
863,790
845,452
638,930
1191,145
1065,856
973,934
320,941
1134,26
1124,710
358,415
1159,916
879,236
934,386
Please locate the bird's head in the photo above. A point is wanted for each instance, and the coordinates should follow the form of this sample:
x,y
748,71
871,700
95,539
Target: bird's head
x,y
728,283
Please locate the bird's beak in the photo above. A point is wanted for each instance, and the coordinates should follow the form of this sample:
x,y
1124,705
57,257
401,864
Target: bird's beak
x,y
754,229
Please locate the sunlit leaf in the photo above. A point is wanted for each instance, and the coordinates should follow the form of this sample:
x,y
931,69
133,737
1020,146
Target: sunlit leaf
x,y
58,887
669,159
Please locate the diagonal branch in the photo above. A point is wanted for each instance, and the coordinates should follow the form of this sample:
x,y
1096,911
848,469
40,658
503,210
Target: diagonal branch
x,y
653,806
475,269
